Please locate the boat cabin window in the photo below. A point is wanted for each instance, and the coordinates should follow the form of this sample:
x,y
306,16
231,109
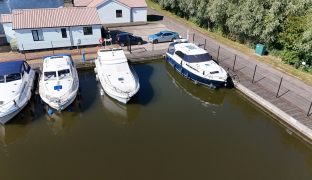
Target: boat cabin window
x,y
198,58
1,79
63,74
50,75
180,54
171,49
13,77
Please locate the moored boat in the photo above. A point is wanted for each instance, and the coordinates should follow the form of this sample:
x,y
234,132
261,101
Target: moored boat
x,y
59,82
117,78
196,64
16,84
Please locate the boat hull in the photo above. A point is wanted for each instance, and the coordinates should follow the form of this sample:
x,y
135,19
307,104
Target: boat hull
x,y
8,116
121,97
197,79
60,107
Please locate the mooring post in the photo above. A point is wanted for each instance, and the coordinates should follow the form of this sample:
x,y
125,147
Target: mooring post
x,y
193,37
309,114
24,52
234,62
205,44
218,53
253,78
52,48
279,87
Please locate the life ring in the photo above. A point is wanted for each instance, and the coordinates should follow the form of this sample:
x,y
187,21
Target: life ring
x,y
101,40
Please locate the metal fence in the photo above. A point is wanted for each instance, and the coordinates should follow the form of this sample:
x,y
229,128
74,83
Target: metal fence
x,y
254,73
247,72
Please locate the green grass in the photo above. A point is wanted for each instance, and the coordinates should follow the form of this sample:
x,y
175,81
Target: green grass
x,y
271,60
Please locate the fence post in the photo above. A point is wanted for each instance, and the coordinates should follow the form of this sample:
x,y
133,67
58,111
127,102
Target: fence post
x,y
218,53
234,62
24,52
253,78
205,44
309,110
279,87
193,37
52,48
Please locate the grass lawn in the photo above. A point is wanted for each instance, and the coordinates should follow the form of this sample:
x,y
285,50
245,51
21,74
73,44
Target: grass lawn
x,y
273,61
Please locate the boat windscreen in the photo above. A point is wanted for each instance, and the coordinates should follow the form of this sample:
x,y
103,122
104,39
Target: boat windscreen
x,y
50,75
64,74
197,58
13,77
1,79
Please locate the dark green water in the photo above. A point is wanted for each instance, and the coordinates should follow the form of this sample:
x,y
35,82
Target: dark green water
x,y
172,129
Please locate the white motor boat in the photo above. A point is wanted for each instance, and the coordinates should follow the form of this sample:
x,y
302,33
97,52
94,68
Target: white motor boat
x,y
196,64
16,84
117,78
59,82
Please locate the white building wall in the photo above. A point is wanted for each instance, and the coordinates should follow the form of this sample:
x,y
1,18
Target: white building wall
x,y
139,14
53,38
77,33
9,32
107,12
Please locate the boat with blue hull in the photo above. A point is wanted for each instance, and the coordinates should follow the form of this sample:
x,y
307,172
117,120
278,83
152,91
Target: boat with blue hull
x,y
196,64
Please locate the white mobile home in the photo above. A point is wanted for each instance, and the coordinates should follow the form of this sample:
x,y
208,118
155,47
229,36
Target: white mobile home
x,y
6,20
118,12
56,27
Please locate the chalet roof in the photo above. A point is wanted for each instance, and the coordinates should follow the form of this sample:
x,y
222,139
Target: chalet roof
x,y
6,18
94,3
54,17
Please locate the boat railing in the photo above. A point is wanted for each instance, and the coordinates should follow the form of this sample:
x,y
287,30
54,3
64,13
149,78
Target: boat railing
x,y
14,101
114,88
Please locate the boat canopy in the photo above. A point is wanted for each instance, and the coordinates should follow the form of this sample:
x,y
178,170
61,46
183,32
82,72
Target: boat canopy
x,y
11,67
194,58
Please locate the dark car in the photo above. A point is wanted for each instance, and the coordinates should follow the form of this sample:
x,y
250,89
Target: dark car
x,y
123,39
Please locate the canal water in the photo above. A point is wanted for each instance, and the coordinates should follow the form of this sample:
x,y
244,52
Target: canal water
x,y
173,129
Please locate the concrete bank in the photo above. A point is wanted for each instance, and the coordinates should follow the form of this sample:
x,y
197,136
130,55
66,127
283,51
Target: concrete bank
x,y
284,119
89,63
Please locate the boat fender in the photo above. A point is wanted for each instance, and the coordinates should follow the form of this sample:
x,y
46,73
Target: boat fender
x,y
96,77
50,111
95,70
101,40
102,92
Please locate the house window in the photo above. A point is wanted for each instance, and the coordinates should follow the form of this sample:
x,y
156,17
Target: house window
x,y
37,35
118,13
87,30
64,33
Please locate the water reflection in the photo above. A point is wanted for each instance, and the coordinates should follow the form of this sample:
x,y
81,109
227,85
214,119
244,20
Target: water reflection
x,y
120,113
64,120
205,95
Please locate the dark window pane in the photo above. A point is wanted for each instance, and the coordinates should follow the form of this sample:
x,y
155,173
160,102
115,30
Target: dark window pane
x,y
87,30
64,33
1,79
13,77
118,13
37,35
50,75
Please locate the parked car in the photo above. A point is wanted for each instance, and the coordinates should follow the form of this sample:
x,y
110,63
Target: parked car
x,y
163,36
123,39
